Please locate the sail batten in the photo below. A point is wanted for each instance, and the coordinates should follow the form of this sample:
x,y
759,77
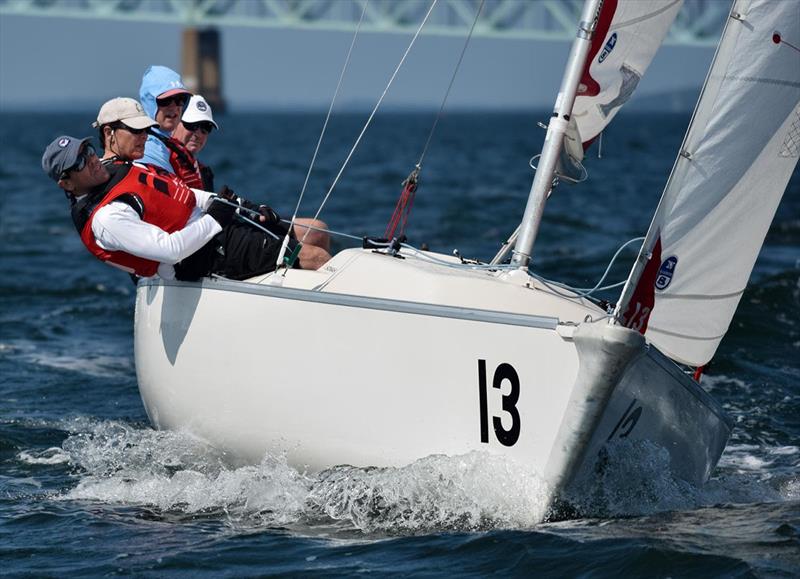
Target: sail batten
x,y
727,182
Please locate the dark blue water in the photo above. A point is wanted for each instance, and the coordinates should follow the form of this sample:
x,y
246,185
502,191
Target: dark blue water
x,y
88,488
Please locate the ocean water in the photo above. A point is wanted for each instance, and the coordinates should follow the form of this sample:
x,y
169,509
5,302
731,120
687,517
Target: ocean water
x,y
88,488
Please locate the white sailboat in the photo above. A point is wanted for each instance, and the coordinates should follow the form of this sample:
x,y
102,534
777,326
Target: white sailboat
x,y
488,357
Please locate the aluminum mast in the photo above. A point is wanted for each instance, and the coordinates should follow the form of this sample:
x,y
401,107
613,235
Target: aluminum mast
x,y
543,181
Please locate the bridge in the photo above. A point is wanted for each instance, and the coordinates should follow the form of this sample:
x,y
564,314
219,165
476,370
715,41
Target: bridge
x,y
699,22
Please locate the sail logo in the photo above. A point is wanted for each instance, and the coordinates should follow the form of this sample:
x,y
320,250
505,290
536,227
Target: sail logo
x,y
665,272
612,42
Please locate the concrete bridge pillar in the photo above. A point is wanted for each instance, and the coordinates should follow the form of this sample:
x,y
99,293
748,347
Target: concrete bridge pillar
x,y
202,65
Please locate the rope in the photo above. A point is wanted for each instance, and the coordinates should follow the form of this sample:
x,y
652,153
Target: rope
x,y
403,208
285,243
372,114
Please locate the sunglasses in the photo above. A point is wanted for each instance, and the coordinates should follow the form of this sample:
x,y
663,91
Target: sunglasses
x,y
178,99
83,157
204,126
125,127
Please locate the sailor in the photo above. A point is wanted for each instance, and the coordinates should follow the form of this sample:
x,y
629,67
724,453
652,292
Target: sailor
x,y
163,96
188,139
123,130
149,223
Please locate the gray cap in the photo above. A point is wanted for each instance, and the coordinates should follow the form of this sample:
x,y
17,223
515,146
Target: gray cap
x,y
61,154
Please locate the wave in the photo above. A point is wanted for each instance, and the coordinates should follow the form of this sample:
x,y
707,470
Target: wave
x,y
95,364
118,463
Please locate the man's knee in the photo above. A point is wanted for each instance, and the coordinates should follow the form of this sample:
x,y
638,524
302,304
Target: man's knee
x,y
313,257
313,232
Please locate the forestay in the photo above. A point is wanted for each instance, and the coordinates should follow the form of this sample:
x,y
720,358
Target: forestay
x,y
737,157
629,32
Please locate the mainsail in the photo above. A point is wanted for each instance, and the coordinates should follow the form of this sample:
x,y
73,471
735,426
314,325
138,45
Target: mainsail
x,y
735,162
629,32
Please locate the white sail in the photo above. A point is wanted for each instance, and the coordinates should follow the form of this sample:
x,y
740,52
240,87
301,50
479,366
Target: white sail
x,y
629,32
737,157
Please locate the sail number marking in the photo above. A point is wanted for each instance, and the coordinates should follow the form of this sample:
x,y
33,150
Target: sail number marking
x,y
504,373
627,421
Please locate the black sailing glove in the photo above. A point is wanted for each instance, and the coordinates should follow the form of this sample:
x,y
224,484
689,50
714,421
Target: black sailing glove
x,y
267,216
228,194
222,212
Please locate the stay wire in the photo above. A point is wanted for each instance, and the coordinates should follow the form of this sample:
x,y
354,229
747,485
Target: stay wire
x,y
450,86
587,292
372,115
321,136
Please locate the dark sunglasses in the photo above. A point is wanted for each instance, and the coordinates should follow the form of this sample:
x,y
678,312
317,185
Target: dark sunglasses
x,y
83,157
178,99
204,126
125,127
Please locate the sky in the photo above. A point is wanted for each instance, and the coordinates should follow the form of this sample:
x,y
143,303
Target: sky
x,y
54,63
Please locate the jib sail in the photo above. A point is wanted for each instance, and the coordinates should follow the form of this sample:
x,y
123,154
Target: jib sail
x,y
735,162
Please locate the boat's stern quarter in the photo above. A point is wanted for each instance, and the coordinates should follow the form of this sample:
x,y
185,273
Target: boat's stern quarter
x,y
331,379
628,391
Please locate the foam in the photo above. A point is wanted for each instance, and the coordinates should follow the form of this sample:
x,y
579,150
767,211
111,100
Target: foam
x,y
120,463
52,455
174,471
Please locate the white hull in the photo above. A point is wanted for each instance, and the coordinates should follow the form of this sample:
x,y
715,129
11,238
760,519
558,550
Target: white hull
x,y
330,376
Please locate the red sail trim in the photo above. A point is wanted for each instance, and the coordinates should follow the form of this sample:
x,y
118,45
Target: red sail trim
x,y
637,314
589,86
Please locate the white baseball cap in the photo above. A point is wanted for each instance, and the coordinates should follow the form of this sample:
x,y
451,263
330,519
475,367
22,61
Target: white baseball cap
x,y
126,110
198,110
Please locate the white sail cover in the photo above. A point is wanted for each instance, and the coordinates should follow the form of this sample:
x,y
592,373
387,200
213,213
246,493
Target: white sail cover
x,y
737,158
628,34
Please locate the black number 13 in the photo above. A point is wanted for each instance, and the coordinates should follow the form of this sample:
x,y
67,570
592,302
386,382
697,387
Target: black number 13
x,y
504,372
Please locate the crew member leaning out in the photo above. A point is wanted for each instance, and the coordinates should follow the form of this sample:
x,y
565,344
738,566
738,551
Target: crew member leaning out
x,y
149,224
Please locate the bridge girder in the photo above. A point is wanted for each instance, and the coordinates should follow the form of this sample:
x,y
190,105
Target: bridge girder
x,y
698,23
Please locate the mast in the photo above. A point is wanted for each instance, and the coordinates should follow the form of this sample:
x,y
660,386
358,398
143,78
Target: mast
x,y
543,181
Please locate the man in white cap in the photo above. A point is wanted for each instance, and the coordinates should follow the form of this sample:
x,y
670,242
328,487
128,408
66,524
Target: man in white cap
x,y
123,127
188,139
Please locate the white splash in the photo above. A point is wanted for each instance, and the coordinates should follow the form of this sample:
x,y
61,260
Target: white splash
x,y
472,491
120,463
52,455
631,478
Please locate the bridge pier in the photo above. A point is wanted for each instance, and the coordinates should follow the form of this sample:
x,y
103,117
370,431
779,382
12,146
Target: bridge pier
x,y
201,65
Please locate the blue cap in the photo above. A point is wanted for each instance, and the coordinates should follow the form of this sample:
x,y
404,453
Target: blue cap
x,y
61,154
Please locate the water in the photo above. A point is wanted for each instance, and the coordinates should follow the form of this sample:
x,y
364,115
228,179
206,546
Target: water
x,y
88,488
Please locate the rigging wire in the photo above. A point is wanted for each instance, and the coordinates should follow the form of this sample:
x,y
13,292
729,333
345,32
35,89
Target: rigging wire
x,y
402,210
587,292
450,86
552,285
285,243
372,114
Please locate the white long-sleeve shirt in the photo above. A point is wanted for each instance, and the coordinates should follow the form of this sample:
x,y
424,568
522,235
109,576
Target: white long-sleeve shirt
x,y
117,227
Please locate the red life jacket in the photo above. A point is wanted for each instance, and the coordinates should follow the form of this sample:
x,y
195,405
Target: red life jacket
x,y
183,162
163,202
